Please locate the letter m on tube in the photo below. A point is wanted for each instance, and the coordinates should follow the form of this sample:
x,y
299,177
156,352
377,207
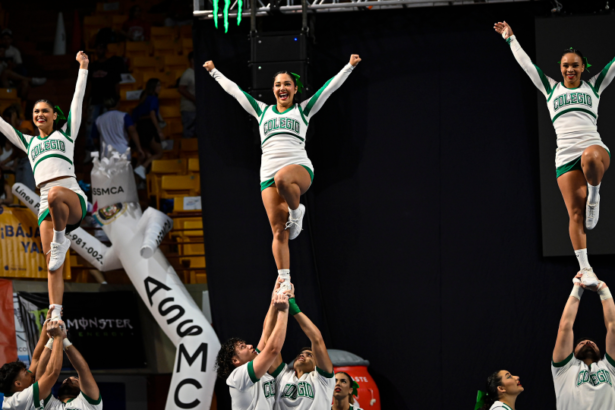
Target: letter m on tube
x,y
183,353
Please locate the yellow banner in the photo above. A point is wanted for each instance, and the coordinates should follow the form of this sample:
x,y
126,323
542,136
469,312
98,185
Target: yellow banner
x,y
21,252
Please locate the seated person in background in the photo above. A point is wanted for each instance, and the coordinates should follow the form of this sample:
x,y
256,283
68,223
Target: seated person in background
x,y
345,389
11,52
18,385
9,78
114,128
7,155
6,195
104,83
147,117
135,28
250,373
187,103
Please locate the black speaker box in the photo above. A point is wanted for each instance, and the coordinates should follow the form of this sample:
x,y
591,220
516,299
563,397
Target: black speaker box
x,y
262,73
287,47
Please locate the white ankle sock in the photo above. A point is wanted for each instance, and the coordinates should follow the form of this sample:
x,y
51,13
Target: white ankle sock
x,y
284,273
582,257
56,311
294,213
592,193
59,236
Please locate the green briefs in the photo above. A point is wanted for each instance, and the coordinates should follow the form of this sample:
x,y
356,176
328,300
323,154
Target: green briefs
x,y
271,181
571,166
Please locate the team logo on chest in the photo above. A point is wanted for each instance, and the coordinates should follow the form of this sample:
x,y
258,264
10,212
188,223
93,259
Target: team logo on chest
x,y
48,145
572,98
269,389
301,389
281,124
595,379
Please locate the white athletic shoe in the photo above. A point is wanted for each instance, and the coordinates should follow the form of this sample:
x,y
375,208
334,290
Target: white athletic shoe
x,y
592,212
295,225
589,278
58,254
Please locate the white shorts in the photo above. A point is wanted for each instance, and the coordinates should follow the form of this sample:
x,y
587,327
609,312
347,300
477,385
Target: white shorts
x,y
68,183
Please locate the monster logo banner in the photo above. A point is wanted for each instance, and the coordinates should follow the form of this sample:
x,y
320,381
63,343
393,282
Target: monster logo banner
x,y
135,237
227,7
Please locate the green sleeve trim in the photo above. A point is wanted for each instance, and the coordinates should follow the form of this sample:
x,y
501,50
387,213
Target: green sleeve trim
x,y
593,89
36,392
68,130
310,104
302,116
92,401
253,103
263,115
51,156
553,92
22,138
543,78
251,372
257,351
573,109
564,362
324,374
603,73
277,371
610,359
66,135
508,40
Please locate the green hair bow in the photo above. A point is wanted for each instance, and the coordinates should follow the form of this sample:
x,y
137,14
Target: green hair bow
x,y
61,115
355,388
480,399
298,81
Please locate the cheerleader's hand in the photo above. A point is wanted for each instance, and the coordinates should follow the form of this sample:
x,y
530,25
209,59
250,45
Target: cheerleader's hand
x,y
209,65
503,29
82,59
354,60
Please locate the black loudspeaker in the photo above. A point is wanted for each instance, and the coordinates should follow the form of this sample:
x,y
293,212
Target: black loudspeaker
x,y
287,47
262,73
264,95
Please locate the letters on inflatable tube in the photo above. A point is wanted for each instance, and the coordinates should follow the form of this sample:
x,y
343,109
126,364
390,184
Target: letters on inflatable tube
x,y
133,234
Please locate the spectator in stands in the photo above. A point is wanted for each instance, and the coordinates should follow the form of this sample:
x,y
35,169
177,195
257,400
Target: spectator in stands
x,y
188,100
115,127
23,169
7,155
104,83
135,28
147,117
11,79
11,52
6,195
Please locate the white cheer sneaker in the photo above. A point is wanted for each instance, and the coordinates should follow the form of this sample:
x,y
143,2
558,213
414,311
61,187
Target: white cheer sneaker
x,y
295,225
58,254
592,212
589,278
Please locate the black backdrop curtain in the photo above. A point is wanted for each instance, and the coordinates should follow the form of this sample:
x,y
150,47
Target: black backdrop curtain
x,y
421,249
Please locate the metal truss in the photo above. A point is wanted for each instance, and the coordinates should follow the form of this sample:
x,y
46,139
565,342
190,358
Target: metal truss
x,y
265,7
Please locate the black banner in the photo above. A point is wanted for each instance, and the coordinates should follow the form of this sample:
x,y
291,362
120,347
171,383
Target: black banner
x,y
105,326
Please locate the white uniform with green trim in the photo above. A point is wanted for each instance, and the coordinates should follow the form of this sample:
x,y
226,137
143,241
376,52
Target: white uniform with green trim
x,y
582,387
574,112
52,157
250,393
313,391
283,134
81,402
498,405
28,399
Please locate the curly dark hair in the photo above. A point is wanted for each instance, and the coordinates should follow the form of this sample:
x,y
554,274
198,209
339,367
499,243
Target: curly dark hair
x,y
491,388
224,360
8,374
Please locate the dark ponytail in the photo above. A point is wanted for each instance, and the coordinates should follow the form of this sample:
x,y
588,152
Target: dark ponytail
x,y
491,388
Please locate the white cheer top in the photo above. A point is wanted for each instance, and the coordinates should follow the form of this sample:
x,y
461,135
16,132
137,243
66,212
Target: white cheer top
x,y
53,156
283,133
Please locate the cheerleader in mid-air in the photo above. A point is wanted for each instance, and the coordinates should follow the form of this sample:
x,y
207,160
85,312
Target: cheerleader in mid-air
x,y
581,158
63,204
286,171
